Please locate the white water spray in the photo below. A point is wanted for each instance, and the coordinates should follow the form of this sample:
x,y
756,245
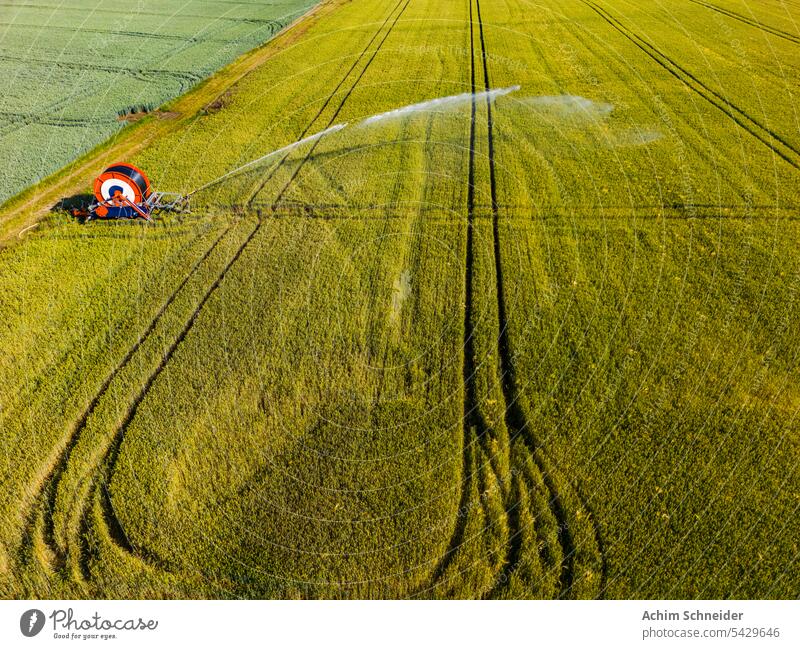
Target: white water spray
x,y
636,137
554,105
271,154
438,105
564,105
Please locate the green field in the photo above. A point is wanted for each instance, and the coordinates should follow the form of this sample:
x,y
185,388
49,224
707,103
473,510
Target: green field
x,y
539,346
74,72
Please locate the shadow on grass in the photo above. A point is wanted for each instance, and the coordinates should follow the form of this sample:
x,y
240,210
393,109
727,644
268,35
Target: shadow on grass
x,y
73,206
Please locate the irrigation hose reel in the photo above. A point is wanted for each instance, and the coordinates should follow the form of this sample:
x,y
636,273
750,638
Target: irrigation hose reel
x,y
123,191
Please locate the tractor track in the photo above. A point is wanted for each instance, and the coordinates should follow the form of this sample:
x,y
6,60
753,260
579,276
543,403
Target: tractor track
x,y
472,209
327,102
18,120
114,526
45,500
515,419
142,14
111,32
179,75
108,463
673,212
750,21
514,548
473,425
749,124
599,539
331,121
471,414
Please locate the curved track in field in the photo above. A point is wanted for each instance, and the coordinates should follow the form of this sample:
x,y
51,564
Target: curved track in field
x,y
45,500
515,418
108,462
42,513
114,526
516,421
519,431
473,424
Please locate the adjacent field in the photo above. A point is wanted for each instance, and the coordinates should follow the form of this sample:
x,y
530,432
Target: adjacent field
x,y
538,347
74,71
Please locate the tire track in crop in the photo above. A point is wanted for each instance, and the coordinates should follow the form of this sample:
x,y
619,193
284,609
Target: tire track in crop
x,y
179,75
599,540
749,124
45,499
516,422
108,463
472,208
474,424
750,21
61,465
332,120
19,120
514,548
141,15
117,32
326,103
115,529
114,526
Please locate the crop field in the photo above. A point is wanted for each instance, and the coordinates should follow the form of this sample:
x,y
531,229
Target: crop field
x,y
75,72
522,323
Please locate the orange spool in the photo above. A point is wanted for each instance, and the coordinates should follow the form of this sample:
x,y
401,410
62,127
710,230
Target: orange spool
x,y
125,179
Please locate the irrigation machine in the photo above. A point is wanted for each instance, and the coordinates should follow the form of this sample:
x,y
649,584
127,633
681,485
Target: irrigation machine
x,y
123,191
